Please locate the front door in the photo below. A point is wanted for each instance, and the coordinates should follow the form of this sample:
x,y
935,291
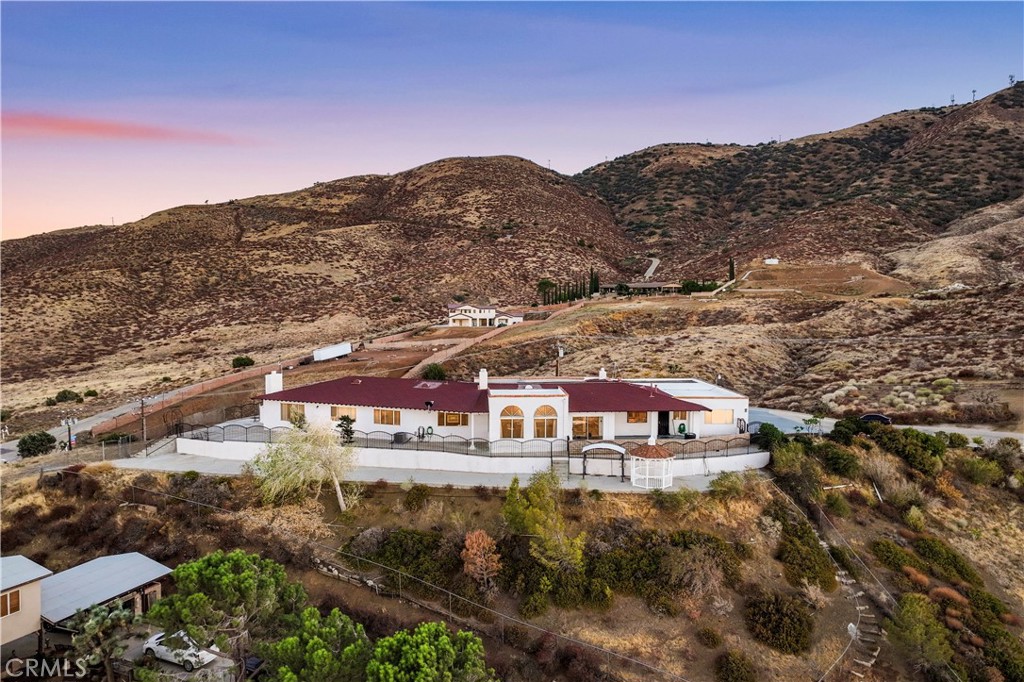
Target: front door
x,y
664,424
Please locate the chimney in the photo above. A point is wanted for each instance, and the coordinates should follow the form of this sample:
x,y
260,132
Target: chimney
x,y
602,374
273,382
482,381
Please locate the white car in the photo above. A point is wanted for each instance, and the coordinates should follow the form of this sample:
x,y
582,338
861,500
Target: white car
x,y
178,648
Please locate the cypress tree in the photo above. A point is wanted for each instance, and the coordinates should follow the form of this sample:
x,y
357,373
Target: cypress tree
x,y
732,269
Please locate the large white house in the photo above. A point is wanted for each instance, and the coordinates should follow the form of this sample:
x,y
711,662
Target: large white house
x,y
591,409
468,315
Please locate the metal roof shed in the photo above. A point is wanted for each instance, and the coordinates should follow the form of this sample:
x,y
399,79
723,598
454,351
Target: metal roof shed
x,y
97,582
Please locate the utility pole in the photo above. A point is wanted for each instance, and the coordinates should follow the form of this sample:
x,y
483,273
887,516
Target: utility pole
x,y
68,418
974,95
142,414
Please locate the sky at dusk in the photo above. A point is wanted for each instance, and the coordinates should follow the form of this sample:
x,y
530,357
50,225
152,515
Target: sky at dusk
x,y
112,111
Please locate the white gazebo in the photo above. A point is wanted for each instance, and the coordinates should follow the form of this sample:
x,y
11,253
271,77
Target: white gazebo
x,y
650,467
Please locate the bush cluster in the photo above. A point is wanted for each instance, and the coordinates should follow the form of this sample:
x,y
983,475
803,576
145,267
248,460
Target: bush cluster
x,y
416,497
709,637
980,471
800,551
734,666
894,557
837,460
780,621
946,562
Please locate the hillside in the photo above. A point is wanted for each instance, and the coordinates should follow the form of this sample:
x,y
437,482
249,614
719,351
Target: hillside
x,y
890,183
273,274
929,196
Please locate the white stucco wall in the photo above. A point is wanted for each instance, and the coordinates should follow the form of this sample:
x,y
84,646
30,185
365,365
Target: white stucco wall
x,y
411,420
384,457
527,400
681,467
25,621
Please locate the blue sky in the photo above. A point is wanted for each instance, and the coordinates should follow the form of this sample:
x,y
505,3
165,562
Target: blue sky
x,y
115,110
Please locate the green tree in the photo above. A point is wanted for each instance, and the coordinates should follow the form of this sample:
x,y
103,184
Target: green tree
x,y
242,361
230,598
346,426
535,512
33,444
329,648
101,635
430,653
917,631
434,372
546,288
732,269
302,461
66,395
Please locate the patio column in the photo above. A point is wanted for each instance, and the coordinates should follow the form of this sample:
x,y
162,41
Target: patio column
x,y
652,419
472,430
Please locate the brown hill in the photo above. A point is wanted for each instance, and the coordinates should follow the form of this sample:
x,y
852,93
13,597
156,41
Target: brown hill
x,y
930,195
297,269
891,183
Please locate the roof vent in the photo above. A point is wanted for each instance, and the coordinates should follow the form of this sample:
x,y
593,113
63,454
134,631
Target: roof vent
x,y
357,381
428,384
528,387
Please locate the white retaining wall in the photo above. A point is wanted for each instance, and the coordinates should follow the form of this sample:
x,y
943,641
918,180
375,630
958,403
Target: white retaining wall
x,y
697,466
448,461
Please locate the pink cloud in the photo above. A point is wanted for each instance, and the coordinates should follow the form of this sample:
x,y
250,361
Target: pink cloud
x,y
29,124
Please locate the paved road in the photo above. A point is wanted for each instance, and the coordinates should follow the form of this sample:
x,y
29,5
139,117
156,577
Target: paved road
x,y
9,450
655,262
232,467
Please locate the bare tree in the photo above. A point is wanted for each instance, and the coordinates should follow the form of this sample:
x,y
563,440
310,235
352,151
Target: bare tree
x,y
303,460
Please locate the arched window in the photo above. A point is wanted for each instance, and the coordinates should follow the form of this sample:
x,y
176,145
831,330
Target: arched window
x,y
545,422
511,422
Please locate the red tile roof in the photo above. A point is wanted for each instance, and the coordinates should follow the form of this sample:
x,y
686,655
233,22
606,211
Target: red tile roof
x,y
464,396
447,396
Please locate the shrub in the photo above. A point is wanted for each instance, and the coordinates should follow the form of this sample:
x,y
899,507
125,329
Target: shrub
x,y
980,471
894,557
482,492
49,402
803,558
914,518
434,372
35,444
837,460
734,666
769,437
780,621
727,486
941,594
916,577
675,501
90,393
837,504
416,497
946,561
958,440
846,560
534,605
787,457
242,361
66,395
115,437
917,631
709,637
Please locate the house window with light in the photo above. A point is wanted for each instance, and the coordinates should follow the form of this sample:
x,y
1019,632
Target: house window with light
x,y
512,422
453,419
387,417
545,422
636,417
337,412
588,427
292,412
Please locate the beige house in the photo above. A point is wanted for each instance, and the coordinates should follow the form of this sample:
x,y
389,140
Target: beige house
x,y
20,597
468,315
